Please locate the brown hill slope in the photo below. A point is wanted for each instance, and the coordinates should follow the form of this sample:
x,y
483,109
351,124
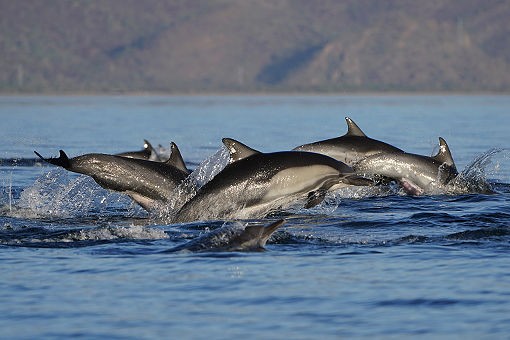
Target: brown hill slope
x,y
222,45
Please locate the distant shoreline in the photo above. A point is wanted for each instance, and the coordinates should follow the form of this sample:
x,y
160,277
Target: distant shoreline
x,y
254,94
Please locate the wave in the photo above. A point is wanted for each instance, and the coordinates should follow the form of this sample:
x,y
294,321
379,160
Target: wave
x,y
50,238
14,162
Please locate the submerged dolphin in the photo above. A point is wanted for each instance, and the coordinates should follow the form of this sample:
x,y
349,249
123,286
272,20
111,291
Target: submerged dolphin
x,y
254,183
144,181
233,237
416,174
351,147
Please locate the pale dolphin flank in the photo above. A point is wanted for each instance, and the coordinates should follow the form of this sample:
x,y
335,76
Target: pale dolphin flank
x,y
232,237
416,174
351,147
254,183
146,182
149,153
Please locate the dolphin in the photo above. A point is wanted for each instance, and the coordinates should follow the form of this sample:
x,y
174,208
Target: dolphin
x,y
146,182
232,237
149,153
141,154
254,183
415,173
351,147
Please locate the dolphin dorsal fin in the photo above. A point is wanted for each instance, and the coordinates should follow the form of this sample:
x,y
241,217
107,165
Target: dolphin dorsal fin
x,y
151,151
353,129
444,155
176,158
147,146
259,233
237,149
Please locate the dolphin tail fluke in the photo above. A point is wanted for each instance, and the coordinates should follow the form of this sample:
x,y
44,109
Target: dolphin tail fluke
x,y
62,160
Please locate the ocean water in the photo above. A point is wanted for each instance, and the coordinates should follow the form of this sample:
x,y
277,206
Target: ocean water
x,y
80,261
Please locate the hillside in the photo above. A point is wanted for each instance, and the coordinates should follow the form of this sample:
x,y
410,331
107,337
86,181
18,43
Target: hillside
x,y
205,46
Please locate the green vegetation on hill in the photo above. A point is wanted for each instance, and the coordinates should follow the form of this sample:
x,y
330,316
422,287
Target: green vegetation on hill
x,y
202,46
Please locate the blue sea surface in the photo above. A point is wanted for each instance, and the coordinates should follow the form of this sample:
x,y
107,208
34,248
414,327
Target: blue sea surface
x,y
80,261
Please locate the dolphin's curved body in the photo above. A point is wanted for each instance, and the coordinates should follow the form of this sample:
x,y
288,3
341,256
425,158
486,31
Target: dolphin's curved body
x,y
254,183
351,147
416,174
144,181
232,237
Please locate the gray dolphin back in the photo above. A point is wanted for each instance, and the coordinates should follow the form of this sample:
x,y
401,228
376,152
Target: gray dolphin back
x,y
232,238
351,147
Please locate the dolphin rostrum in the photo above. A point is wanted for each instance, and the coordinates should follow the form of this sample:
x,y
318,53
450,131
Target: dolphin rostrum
x,y
144,181
254,183
416,174
351,147
232,237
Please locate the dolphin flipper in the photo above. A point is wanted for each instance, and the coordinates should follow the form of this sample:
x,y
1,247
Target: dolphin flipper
x,y
62,160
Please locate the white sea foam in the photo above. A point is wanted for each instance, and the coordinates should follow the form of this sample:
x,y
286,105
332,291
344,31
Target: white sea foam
x,y
113,233
475,178
59,194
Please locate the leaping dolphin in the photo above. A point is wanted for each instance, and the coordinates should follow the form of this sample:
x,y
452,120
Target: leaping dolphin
x,y
416,174
254,183
232,237
351,147
144,181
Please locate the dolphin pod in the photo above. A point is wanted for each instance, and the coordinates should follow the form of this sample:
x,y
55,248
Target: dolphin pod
x,y
260,182
254,184
416,174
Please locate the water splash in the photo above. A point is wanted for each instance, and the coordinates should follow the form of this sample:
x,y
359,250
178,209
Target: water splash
x,y
6,194
114,233
59,194
475,177
206,171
